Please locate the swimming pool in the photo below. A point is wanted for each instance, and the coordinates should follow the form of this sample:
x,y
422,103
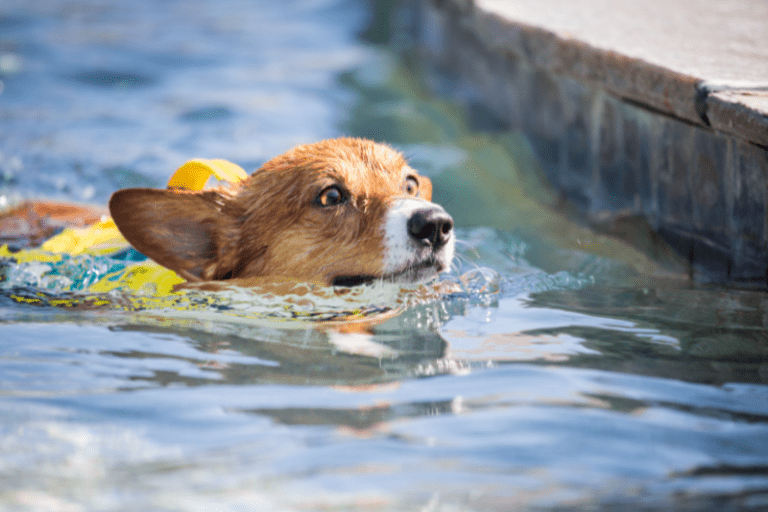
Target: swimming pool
x,y
571,371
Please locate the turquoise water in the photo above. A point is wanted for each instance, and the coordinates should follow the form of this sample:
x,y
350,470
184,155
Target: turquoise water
x,y
565,371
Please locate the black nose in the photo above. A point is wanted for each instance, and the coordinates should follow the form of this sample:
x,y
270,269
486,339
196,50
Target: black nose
x,y
431,226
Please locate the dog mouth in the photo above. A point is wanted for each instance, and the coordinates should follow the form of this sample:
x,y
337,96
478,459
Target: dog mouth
x,y
350,281
424,270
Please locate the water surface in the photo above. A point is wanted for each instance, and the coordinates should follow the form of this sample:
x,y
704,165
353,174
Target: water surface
x,y
564,371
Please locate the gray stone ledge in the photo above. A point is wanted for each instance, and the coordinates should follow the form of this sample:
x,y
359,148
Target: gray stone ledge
x,y
740,112
665,55
653,110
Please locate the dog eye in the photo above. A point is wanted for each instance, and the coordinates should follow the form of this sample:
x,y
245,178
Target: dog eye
x,y
411,186
330,196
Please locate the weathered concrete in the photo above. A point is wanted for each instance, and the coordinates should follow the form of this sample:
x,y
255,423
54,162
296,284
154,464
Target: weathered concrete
x,y
667,55
741,112
649,108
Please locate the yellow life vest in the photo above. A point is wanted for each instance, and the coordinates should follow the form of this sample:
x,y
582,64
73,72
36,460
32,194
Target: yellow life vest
x,y
103,238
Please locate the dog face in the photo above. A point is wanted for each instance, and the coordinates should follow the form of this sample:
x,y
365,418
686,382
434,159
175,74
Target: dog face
x,y
338,212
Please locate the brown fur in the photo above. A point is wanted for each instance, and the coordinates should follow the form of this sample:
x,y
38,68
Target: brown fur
x,y
29,224
270,224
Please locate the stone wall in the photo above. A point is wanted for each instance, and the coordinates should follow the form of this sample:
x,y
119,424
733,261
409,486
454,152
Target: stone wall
x,y
611,148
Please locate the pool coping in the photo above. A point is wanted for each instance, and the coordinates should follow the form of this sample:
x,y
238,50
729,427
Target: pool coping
x,y
693,95
712,83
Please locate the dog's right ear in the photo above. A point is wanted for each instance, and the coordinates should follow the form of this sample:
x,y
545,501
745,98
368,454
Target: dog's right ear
x,y
178,229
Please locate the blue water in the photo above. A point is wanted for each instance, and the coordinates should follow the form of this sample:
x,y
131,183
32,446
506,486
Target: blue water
x,y
567,371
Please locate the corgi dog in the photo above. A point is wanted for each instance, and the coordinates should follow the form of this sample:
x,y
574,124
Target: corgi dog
x,y
340,212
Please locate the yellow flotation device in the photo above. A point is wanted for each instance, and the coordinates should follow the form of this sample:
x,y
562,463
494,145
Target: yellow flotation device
x,y
103,238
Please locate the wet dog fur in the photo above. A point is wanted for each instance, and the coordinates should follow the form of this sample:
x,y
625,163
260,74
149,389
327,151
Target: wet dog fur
x,y
338,212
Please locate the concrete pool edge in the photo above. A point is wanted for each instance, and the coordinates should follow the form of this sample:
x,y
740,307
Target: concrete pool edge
x,y
625,128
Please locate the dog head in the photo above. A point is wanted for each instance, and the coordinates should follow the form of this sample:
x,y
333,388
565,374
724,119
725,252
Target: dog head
x,y
339,212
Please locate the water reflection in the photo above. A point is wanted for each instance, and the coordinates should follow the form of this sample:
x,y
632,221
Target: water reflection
x,y
561,377
156,353
696,334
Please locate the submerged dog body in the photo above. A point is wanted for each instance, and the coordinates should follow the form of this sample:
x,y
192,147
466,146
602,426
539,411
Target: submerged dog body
x,y
339,212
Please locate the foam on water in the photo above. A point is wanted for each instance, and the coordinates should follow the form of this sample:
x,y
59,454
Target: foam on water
x,y
66,280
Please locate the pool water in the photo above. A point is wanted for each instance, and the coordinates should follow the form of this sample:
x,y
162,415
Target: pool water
x,y
552,369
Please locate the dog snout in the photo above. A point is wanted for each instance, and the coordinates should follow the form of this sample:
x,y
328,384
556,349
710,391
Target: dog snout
x,y
431,226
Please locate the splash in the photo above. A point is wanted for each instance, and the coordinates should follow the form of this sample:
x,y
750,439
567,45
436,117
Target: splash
x,y
125,280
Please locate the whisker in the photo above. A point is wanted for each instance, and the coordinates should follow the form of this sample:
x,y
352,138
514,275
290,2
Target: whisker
x,y
461,257
469,246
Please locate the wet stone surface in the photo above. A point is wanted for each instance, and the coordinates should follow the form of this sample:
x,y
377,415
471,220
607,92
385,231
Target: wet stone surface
x,y
608,148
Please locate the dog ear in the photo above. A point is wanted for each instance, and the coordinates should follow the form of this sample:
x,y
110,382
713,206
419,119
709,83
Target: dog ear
x,y
179,230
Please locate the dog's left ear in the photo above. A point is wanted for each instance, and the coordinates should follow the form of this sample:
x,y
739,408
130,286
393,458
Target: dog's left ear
x,y
180,230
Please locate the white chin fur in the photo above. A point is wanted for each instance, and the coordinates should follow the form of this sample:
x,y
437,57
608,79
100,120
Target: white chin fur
x,y
402,252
